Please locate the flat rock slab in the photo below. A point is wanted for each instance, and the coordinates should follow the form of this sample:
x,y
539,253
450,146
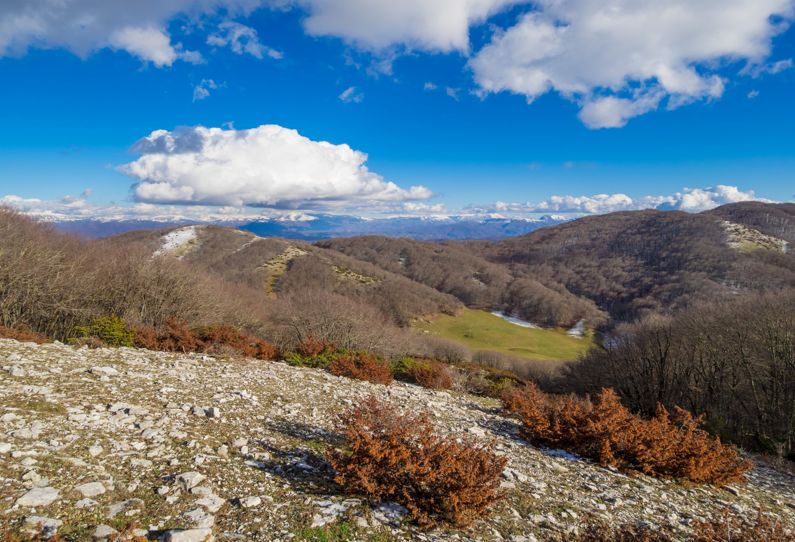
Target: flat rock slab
x,y
38,496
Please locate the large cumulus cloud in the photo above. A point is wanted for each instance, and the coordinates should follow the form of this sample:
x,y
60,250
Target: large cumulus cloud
x,y
622,58
267,166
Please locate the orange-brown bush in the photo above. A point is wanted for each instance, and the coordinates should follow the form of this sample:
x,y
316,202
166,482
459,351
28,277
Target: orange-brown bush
x,y
219,337
176,336
604,430
731,527
361,366
430,374
311,347
23,335
398,457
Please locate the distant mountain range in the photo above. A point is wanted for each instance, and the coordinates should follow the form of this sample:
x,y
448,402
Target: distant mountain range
x,y
331,226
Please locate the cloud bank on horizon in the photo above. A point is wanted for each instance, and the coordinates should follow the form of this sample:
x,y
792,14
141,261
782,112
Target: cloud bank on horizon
x,y
616,59
693,200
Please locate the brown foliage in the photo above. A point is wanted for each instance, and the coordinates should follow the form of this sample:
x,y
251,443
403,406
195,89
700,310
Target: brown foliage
x,y
430,374
729,527
604,430
219,337
362,366
398,457
312,347
23,335
176,336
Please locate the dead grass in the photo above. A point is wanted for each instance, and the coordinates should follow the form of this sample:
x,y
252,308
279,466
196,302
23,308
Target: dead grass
x,y
399,458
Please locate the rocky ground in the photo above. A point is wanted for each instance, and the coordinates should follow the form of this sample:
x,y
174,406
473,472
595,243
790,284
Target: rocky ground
x,y
188,447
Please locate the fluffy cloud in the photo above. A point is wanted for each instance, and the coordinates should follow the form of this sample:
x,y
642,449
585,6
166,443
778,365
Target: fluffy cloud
x,y
623,58
71,208
83,26
437,25
242,39
690,199
267,166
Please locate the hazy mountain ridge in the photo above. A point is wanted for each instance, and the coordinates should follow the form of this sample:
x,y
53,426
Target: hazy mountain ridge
x,y
329,226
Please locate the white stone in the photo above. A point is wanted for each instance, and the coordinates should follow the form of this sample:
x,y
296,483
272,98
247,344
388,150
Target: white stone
x,y
190,479
103,532
5,447
39,496
91,489
104,371
200,519
211,502
188,535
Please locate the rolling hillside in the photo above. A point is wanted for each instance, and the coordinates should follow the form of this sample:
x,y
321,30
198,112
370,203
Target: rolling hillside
x,y
621,265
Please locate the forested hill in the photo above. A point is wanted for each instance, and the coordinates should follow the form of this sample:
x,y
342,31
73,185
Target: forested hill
x,y
621,265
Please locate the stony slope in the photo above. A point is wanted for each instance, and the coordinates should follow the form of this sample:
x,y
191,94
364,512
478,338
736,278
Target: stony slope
x,y
233,449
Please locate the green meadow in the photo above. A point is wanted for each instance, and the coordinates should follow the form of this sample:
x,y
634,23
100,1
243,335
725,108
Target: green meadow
x,y
480,330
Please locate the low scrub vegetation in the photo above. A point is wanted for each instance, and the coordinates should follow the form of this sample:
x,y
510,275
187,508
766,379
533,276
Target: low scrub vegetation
x,y
427,373
604,430
397,457
23,335
362,366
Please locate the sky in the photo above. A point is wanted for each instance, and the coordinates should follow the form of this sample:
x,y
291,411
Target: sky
x,y
284,108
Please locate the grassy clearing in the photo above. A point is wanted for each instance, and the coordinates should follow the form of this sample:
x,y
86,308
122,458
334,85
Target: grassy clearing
x,y
480,330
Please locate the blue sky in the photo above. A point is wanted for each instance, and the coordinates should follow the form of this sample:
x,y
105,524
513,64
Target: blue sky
x,y
445,107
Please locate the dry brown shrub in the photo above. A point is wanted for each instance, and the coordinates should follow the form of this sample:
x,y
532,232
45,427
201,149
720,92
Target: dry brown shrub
x,y
362,366
433,375
23,335
398,457
174,336
214,337
729,527
312,347
606,431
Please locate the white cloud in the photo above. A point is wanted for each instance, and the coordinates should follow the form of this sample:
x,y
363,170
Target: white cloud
x,y
242,39
350,95
70,208
622,58
267,166
202,90
84,26
429,86
437,25
690,199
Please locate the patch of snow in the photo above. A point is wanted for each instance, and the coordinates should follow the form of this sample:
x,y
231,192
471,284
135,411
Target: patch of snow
x,y
578,330
176,239
563,454
515,321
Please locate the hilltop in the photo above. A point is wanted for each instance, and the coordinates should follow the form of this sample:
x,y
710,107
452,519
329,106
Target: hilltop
x,y
100,439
